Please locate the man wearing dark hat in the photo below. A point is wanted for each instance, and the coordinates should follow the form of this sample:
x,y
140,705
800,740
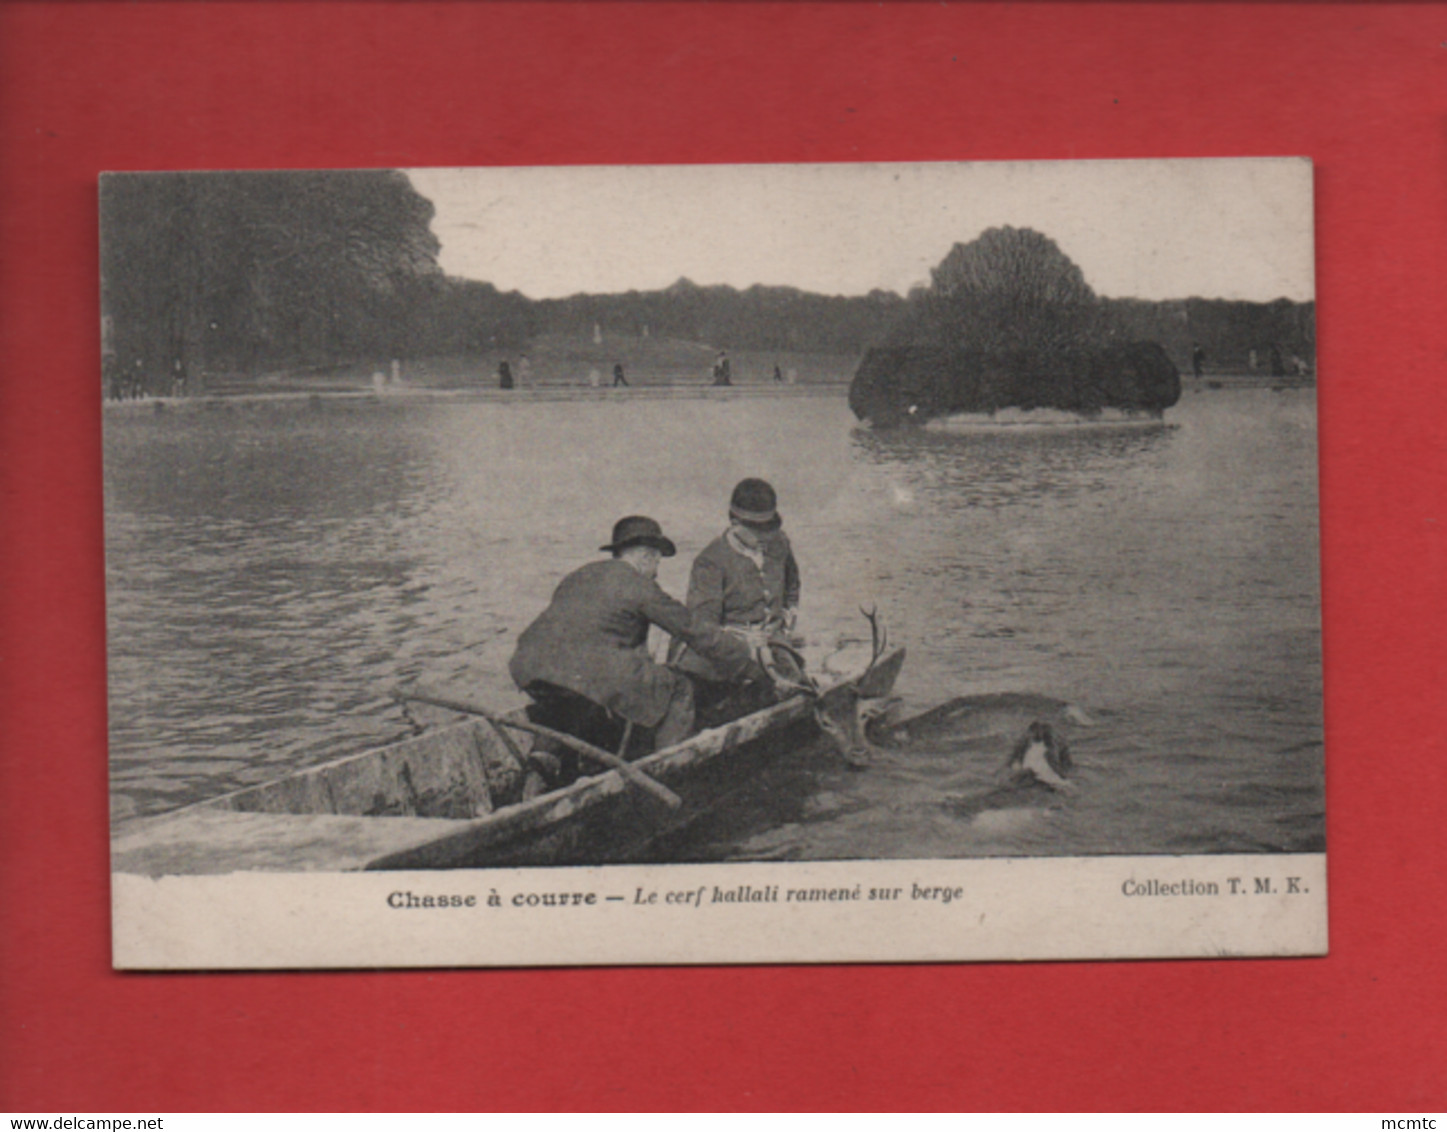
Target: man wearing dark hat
x,y
592,640
745,581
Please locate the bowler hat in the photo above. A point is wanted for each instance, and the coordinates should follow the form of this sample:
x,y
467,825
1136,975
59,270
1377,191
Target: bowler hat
x,y
639,530
755,503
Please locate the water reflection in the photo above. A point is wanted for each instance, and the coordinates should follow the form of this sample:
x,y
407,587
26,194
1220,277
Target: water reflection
x,y
1002,467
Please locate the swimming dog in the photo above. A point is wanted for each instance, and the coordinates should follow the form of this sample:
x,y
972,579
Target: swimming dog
x,y
1039,752
1041,757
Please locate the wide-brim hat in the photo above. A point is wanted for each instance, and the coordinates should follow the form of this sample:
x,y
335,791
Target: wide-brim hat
x,y
754,502
640,530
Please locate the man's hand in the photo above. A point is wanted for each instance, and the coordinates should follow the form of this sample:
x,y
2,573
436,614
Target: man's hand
x,y
755,636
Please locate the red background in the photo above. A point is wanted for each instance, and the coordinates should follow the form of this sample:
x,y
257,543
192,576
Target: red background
x,y
1359,88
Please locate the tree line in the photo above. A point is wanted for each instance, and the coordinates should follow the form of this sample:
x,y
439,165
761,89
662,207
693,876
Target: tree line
x,y
244,274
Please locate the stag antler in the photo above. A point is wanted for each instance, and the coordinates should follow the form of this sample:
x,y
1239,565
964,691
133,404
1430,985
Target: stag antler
x,y
878,635
783,664
841,711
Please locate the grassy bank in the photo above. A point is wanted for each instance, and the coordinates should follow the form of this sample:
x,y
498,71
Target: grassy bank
x,y
549,362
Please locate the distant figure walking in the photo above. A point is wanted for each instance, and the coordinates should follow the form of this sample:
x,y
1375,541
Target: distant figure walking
x,y
1198,356
504,375
722,372
618,378
1278,367
778,374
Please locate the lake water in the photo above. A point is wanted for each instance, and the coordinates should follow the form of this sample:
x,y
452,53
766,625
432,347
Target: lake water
x,y
276,567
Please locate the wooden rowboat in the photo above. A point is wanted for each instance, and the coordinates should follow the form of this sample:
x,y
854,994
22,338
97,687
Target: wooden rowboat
x,y
448,798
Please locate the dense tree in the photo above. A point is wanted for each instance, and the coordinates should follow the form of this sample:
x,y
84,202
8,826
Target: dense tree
x,y
463,316
1008,289
207,271
1019,263
761,318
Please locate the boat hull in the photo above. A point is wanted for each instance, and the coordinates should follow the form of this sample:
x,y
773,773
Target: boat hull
x,y
427,803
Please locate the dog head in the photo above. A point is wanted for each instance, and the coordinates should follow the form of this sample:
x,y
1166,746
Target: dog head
x,y
1041,755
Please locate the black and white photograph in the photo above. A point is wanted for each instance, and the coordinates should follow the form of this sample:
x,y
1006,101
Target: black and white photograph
x,y
708,564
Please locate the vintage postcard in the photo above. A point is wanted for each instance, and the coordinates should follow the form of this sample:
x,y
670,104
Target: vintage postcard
x,y
713,564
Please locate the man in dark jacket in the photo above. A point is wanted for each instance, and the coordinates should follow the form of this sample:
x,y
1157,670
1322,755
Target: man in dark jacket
x,y
592,640
747,582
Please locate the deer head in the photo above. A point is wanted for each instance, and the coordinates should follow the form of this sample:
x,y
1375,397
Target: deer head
x,y
843,713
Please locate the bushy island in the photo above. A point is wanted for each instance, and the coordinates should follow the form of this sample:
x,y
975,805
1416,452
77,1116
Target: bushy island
x,y
898,385
1008,322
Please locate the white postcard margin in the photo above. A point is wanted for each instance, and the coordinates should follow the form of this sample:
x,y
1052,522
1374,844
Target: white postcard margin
x,y
1136,907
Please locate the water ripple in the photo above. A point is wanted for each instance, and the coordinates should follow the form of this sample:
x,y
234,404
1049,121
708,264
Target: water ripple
x,y
274,570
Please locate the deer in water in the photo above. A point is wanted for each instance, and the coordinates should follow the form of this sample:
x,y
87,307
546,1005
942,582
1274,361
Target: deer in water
x,y
845,713
842,712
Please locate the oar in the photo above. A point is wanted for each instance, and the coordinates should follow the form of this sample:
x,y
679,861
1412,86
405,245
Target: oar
x,y
597,754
